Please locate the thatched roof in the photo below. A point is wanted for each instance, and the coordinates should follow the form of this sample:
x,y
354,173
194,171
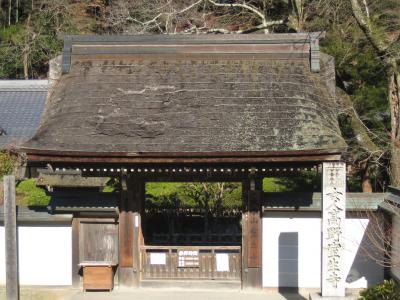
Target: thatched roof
x,y
169,95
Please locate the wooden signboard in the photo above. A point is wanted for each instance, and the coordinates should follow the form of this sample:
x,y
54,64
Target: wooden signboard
x,y
254,240
188,258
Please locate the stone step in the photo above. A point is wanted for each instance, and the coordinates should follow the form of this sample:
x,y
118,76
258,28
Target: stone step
x,y
192,284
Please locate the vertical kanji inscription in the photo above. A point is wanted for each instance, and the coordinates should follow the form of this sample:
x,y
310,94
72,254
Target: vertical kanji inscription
x,y
333,218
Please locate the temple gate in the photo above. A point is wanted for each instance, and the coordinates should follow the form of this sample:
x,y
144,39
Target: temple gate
x,y
233,108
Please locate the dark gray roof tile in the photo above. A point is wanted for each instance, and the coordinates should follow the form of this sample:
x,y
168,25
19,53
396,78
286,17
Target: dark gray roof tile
x,y
21,106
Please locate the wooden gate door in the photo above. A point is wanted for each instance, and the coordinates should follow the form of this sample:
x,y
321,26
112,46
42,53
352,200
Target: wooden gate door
x,y
98,241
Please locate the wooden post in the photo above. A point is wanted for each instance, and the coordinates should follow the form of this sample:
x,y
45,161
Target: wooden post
x,y
138,189
130,231
75,252
252,234
10,227
125,236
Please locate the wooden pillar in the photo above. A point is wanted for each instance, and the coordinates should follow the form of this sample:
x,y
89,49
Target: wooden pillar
x,y
137,205
125,237
252,234
10,228
130,233
75,252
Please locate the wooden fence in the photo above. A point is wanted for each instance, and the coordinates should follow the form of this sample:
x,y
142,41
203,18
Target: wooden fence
x,y
191,262
196,239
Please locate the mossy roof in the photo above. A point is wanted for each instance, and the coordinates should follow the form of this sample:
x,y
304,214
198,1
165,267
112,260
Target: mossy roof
x,y
121,98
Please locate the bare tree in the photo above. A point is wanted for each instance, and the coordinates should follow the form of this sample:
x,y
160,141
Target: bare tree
x,y
381,233
9,12
387,48
166,16
363,135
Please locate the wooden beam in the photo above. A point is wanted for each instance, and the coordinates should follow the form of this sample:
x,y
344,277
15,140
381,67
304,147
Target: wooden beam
x,y
35,158
10,227
231,154
71,181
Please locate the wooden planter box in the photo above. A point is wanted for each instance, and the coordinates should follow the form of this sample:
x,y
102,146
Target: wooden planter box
x,y
98,275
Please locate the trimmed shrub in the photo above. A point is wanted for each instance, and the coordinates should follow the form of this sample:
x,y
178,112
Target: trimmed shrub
x,y
388,290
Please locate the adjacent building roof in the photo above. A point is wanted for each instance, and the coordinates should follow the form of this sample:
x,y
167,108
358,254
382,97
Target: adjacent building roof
x,y
392,200
192,95
38,214
78,201
312,201
21,106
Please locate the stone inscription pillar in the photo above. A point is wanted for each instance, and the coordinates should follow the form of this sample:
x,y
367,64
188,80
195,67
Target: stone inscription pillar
x,y
333,222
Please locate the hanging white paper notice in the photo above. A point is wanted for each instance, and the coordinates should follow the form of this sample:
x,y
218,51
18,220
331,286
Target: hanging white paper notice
x,y
158,258
222,262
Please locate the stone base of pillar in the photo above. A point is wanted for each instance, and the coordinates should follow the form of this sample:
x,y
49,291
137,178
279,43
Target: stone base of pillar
x,y
318,296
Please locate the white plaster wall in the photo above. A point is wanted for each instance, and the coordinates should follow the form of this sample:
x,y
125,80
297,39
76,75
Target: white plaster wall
x,y
309,252
396,245
45,255
361,270
281,268
2,257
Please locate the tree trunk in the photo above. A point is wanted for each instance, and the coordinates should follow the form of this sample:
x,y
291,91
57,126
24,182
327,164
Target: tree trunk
x,y
382,47
395,166
366,185
25,63
394,100
16,11
366,178
9,12
206,208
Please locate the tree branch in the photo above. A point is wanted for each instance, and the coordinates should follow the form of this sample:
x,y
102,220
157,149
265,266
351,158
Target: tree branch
x,y
242,5
154,20
264,23
360,130
365,26
226,31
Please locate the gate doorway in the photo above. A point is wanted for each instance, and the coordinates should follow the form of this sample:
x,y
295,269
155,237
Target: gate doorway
x,y
192,231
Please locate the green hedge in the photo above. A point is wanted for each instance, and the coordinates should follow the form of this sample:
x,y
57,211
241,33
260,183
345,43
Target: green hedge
x,y
388,290
30,194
